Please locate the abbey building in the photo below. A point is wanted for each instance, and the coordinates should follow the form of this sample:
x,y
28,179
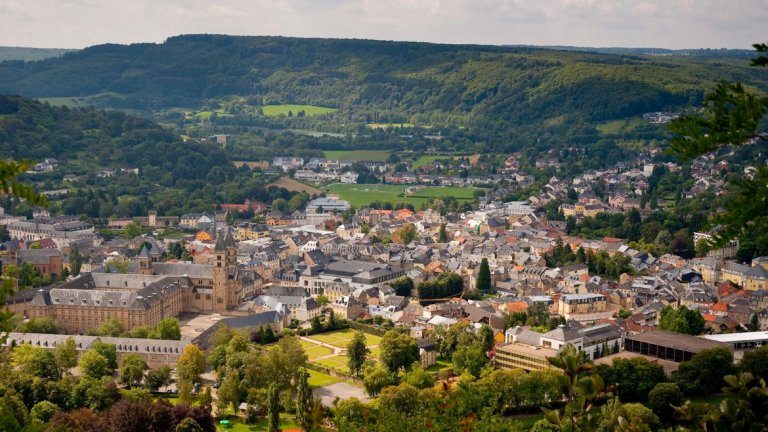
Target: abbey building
x,y
154,291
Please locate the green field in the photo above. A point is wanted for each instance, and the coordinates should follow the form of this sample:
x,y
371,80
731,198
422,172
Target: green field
x,y
341,338
336,362
309,110
441,366
614,127
428,159
363,194
357,155
319,379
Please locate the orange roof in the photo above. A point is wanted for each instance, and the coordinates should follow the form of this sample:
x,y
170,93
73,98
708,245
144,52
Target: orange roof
x,y
709,317
518,306
719,307
584,277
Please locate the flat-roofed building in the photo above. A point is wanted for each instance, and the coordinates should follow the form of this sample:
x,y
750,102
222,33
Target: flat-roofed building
x,y
666,345
741,342
523,356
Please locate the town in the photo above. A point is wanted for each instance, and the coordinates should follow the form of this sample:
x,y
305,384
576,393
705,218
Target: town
x,y
509,273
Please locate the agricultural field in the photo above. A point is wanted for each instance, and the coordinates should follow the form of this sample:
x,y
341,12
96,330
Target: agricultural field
x,y
614,127
357,155
294,185
360,195
309,110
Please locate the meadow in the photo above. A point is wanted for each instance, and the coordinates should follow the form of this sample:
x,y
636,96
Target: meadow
x,y
309,110
357,155
363,194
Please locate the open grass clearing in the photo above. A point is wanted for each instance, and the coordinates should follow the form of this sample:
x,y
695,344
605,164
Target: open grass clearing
x,y
309,110
357,155
360,195
294,185
614,127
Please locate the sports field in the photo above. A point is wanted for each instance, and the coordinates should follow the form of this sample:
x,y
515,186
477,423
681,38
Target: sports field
x,y
363,194
309,110
357,155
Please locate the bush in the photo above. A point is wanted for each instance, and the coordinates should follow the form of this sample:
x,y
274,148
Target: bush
x,y
661,399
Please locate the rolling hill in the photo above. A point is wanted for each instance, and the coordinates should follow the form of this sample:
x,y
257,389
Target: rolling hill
x,y
502,91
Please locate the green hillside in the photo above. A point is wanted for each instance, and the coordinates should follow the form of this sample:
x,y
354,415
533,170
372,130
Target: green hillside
x,y
503,91
30,54
174,176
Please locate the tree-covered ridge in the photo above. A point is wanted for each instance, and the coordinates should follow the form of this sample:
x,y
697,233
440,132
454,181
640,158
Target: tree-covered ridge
x,y
497,89
95,138
174,177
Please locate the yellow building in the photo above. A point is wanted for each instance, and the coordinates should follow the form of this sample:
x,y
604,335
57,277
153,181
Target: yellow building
x,y
581,210
575,304
752,278
523,356
251,231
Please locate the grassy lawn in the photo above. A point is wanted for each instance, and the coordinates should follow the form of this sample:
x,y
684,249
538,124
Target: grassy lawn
x,y
287,423
357,155
428,159
336,362
363,194
319,379
316,351
341,338
441,366
309,110
172,398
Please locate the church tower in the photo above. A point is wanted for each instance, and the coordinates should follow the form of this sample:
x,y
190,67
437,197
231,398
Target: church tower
x,y
224,268
145,262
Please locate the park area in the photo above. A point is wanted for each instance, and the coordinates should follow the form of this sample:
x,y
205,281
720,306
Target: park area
x,y
360,195
329,349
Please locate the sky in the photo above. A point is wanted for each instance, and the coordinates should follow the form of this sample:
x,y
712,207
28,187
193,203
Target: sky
x,y
595,23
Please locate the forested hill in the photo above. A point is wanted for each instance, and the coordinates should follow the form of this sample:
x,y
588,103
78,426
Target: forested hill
x,y
29,54
88,139
486,88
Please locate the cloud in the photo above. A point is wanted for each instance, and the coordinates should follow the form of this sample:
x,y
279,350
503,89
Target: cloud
x,y
644,23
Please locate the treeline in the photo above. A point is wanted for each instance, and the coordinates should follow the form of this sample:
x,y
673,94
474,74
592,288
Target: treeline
x,y
445,285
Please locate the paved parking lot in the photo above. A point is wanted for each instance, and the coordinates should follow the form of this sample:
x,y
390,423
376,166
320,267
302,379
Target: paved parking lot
x,y
192,325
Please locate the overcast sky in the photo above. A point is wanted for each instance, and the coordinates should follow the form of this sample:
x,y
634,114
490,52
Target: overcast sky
x,y
597,23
